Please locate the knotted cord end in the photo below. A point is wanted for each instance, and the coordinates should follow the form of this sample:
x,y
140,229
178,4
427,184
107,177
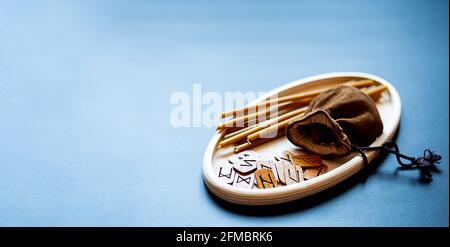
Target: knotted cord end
x,y
427,164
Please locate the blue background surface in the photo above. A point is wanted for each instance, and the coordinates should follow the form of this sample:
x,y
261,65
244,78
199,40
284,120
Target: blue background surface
x,y
85,137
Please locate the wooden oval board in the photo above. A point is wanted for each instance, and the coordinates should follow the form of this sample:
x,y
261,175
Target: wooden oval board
x,y
339,169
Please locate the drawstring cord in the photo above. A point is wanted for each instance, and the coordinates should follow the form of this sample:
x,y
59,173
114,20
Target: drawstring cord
x,y
426,164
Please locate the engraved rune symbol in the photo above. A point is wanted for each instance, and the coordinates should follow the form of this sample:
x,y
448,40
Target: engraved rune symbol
x,y
244,181
295,178
264,182
224,175
241,179
265,178
294,174
244,162
314,172
247,162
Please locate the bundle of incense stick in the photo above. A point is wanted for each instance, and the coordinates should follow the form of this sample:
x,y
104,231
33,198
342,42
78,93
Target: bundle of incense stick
x,y
260,123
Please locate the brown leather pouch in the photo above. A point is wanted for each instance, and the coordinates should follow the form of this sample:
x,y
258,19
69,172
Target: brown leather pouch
x,y
336,119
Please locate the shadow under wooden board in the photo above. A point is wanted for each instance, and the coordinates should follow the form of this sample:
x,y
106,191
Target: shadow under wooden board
x,y
337,169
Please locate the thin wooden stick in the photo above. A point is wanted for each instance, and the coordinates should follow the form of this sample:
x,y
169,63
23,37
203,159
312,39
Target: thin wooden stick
x,y
233,131
248,145
267,132
375,92
231,134
242,135
252,116
275,121
361,83
259,117
303,97
293,97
